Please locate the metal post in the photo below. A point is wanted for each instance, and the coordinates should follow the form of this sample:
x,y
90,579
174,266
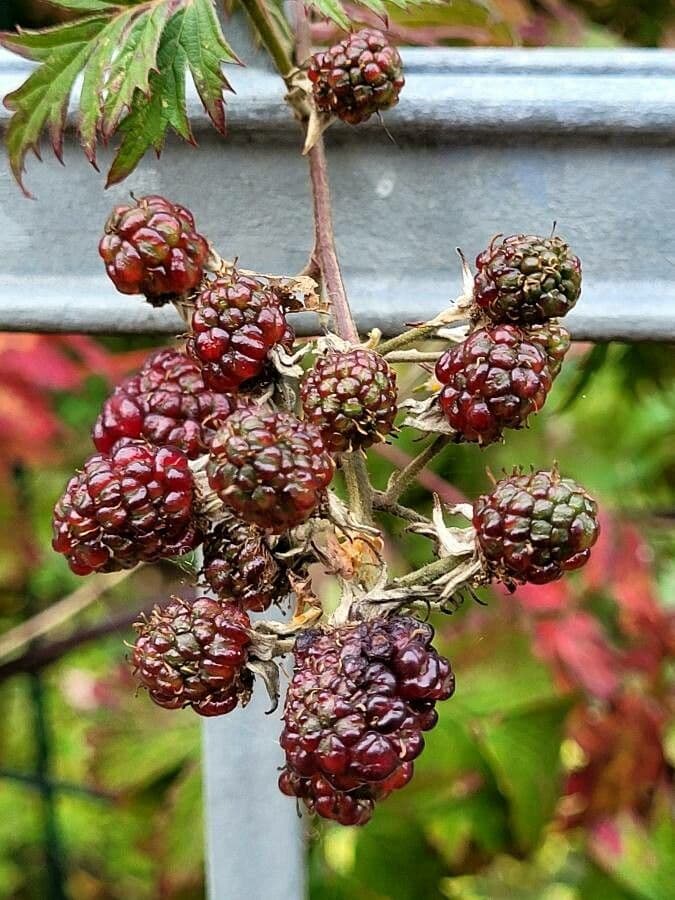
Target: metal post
x,y
255,845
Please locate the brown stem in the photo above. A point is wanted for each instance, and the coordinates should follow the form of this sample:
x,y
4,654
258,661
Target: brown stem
x,y
325,245
61,611
324,238
40,655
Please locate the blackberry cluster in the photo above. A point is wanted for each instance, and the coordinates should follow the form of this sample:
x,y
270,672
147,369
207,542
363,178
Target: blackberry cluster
x,y
351,398
133,505
167,403
493,380
151,247
535,527
360,698
357,77
236,322
195,654
269,468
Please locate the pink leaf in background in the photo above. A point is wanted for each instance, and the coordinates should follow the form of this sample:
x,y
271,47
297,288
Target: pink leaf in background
x,y
579,649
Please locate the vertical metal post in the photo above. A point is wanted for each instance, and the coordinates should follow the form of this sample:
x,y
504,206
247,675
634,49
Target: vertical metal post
x,y
254,837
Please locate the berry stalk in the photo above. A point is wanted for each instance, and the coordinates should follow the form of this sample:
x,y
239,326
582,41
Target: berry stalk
x,y
270,36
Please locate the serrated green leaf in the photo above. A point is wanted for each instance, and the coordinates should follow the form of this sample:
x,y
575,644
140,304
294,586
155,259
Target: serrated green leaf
x,y
336,11
95,76
90,6
206,48
132,57
151,115
532,785
130,69
42,100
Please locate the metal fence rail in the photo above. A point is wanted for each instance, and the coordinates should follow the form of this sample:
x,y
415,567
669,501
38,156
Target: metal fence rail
x,y
486,141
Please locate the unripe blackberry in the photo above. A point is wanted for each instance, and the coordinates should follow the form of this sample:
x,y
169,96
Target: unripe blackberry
x,y
360,698
269,468
239,565
555,340
351,397
151,247
493,380
195,654
236,322
166,403
526,279
357,77
134,505
535,527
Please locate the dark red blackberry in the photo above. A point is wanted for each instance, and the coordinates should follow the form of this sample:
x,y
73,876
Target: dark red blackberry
x,y
357,77
526,279
535,527
269,468
194,654
360,698
151,247
351,397
166,403
134,505
239,565
236,322
493,380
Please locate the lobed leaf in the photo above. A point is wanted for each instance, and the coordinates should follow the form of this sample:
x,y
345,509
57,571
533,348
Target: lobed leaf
x,y
205,49
42,100
335,9
133,57
151,115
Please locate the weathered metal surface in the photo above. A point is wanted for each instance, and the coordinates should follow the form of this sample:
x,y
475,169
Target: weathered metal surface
x,y
486,141
255,847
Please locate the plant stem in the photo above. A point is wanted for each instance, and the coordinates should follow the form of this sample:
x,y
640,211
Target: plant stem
x,y
325,241
428,574
359,489
270,36
412,356
453,315
402,479
381,504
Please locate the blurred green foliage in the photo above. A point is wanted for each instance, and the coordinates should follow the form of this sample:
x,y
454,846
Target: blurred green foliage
x,y
483,818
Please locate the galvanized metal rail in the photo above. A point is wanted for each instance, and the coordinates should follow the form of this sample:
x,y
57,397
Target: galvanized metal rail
x,y
486,141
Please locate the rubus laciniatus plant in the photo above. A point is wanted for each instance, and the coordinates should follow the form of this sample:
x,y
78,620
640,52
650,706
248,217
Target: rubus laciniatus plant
x,y
232,438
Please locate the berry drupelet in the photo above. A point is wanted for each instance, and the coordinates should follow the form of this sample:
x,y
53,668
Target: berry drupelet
x,y
360,698
535,527
269,468
526,279
555,339
357,77
194,654
236,322
133,505
351,397
493,380
167,403
151,247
